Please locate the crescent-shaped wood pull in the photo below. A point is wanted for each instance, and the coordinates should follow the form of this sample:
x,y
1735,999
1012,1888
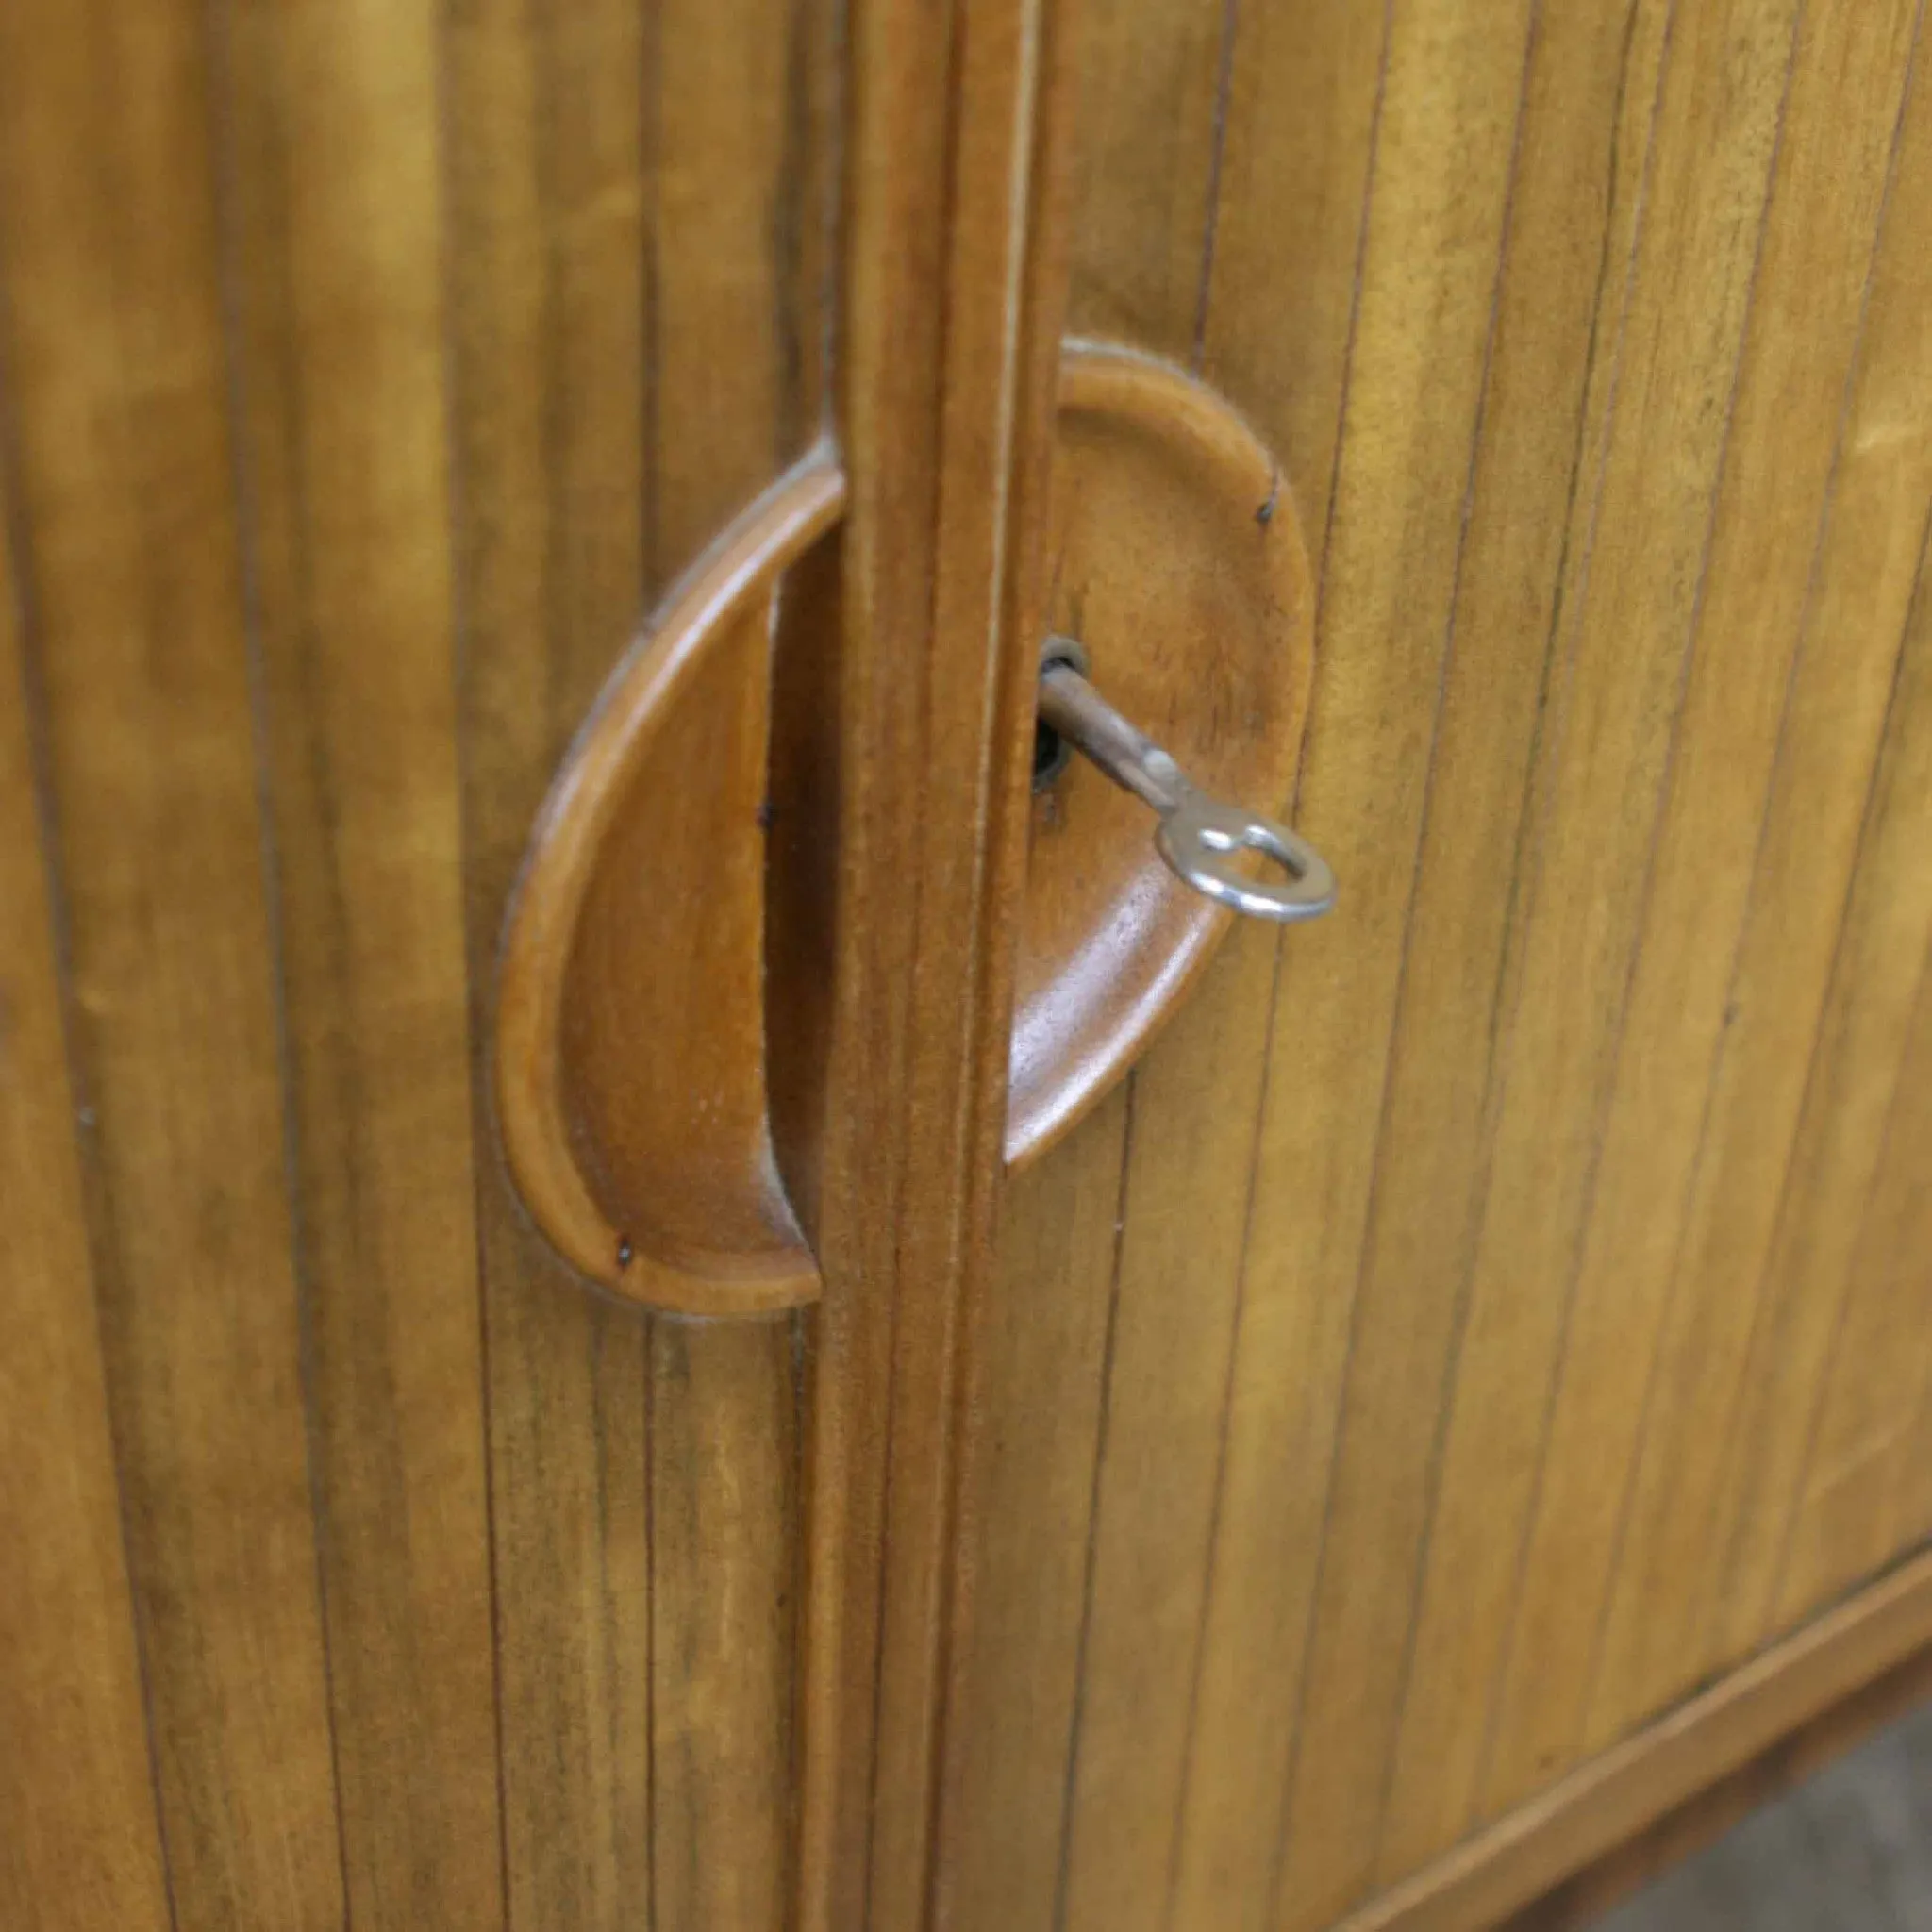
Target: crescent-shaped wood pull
x,y
1179,567
630,1032
635,1087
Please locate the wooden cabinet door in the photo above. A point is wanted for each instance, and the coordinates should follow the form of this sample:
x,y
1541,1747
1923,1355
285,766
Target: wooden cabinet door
x,y
1432,1411
1466,1389
368,370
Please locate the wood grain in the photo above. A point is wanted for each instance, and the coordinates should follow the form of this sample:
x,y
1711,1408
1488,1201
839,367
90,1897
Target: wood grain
x,y
1670,1567
1030,1498
1204,650
342,437
1466,1393
1430,271
1619,1792
1589,98
118,375
632,363
1609,748
81,1842
1780,452
1149,112
1609,372
724,1508
548,582
1302,95
744,110
1147,282
951,343
1854,1082
1870,1405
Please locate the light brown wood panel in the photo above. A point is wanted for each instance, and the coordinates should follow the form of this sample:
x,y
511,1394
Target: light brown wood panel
x,y
334,220
1423,336
80,1843
547,388
1301,103
1150,108
1576,196
1624,651
1780,446
725,1508
1842,1521
1669,1570
1030,1508
1852,1090
1590,99
1142,218
1912,1514
1614,350
639,318
119,380
1181,1197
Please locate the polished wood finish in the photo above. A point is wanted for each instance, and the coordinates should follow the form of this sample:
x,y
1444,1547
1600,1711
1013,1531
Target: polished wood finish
x,y
79,1830
131,561
1464,1394
362,387
953,302
1176,563
1497,1313
637,261
633,1106
633,1103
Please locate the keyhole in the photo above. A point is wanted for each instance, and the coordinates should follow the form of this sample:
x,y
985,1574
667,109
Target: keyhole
x,y
1051,754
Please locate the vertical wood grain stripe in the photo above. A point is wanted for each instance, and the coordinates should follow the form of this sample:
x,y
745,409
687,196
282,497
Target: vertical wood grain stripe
x,y
741,150
1135,276
1304,100
1144,166
335,234
1143,222
954,306
1608,756
116,354
724,1510
547,388
1838,1515
1409,439
1836,1158
1787,413
1029,1510
1669,1565
80,1838
637,298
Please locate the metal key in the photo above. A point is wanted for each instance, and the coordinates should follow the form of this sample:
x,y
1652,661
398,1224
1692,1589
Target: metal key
x,y
1199,836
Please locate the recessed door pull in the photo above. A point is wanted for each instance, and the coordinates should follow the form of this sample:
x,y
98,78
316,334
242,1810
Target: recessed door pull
x,y
1198,836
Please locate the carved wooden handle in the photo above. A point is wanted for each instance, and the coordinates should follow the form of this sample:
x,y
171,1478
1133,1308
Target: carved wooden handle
x,y
630,1034
631,1054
